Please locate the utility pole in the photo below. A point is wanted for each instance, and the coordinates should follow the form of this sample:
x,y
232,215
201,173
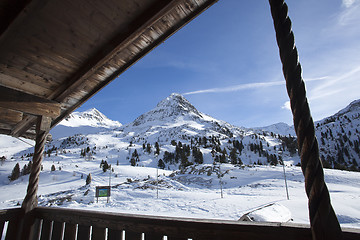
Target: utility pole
x,y
109,184
157,176
221,190
157,182
287,192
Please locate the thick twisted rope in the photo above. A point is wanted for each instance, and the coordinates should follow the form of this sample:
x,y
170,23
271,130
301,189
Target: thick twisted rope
x,y
324,223
30,200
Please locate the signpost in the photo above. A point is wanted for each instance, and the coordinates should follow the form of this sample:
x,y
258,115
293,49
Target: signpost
x,y
102,191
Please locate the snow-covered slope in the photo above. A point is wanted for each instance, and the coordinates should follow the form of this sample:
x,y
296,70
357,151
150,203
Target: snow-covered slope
x,y
10,146
278,128
90,121
193,193
339,138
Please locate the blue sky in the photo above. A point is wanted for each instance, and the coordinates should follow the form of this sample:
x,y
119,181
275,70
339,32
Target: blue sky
x,y
226,63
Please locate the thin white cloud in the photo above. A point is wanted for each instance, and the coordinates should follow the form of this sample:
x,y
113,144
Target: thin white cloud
x,y
337,84
348,3
350,14
286,106
247,86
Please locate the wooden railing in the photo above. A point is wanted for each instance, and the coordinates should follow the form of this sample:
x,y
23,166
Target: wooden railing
x,y
9,222
60,223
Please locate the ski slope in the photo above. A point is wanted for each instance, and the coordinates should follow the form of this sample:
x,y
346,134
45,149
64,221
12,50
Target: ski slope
x,y
195,192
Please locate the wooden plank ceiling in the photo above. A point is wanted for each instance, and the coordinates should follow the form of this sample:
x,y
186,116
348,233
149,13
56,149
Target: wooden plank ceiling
x,y
56,54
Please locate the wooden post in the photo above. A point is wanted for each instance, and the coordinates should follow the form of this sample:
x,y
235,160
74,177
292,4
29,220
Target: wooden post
x,y
30,200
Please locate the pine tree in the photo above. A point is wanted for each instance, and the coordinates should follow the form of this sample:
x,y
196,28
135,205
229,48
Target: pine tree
x,y
161,164
105,166
88,179
273,159
233,156
23,171
26,169
169,157
197,155
148,148
135,155
15,174
2,160
178,151
223,157
157,148
204,141
132,162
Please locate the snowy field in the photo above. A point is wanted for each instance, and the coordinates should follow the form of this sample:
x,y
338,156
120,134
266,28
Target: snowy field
x,y
195,193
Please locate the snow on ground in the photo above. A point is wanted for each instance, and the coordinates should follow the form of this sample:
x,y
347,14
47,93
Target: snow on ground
x,y
194,193
10,145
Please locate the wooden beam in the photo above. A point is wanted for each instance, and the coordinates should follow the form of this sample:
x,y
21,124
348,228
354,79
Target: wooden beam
x,y
10,116
5,131
23,126
44,125
5,127
27,103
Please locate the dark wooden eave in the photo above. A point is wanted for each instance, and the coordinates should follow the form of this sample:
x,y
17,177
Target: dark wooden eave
x,y
55,55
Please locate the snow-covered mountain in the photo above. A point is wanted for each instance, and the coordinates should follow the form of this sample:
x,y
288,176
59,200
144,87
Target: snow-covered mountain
x,y
339,138
90,121
91,117
176,118
198,157
176,125
176,121
176,133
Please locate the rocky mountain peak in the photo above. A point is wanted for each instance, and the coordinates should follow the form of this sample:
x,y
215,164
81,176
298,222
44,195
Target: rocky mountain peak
x,y
93,113
173,106
176,103
91,117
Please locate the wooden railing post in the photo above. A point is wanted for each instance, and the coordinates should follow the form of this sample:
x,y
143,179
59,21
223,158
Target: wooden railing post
x,y
30,200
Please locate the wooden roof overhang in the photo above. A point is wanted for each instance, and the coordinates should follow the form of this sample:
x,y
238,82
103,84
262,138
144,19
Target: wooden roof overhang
x,y
56,54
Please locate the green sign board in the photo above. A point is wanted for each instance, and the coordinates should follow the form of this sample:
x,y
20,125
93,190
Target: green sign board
x,y
102,191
